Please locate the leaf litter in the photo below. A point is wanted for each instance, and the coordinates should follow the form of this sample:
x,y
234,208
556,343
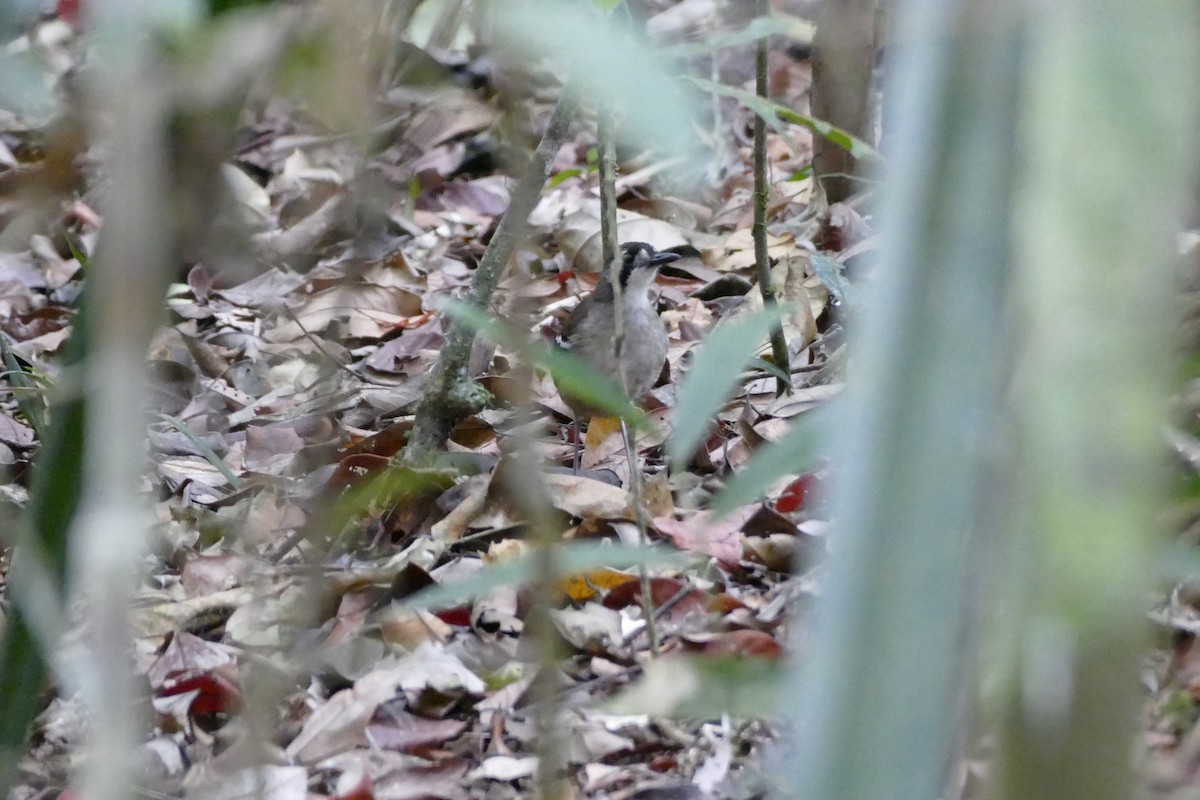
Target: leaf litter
x,y
297,373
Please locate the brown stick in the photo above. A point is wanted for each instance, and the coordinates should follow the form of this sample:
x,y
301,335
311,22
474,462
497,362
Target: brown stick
x,y
452,395
762,193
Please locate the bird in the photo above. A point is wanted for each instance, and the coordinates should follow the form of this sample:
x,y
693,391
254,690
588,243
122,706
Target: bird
x,y
590,332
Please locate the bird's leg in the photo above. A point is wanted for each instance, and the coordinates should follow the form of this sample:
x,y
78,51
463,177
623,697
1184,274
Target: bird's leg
x,y
577,455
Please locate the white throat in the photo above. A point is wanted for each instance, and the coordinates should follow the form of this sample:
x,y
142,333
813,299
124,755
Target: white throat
x,y
637,290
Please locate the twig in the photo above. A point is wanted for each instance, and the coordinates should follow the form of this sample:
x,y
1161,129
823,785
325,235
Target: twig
x,y
639,515
452,395
608,225
332,359
762,193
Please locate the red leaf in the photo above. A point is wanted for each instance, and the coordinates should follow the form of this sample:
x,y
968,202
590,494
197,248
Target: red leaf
x,y
798,494
215,693
755,644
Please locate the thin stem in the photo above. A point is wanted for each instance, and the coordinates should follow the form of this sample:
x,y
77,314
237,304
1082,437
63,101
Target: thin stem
x,y
606,118
639,515
762,193
452,395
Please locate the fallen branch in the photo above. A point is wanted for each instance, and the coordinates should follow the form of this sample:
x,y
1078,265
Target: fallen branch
x,y
452,394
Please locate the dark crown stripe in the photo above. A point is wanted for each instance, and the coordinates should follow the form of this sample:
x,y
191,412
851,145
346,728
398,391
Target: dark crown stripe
x,y
629,253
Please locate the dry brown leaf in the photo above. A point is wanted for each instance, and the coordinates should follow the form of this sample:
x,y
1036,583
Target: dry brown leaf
x,y
591,628
14,432
364,311
451,527
409,628
737,251
585,497
703,533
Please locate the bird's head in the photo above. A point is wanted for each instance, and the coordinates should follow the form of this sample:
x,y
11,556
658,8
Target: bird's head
x,y
639,265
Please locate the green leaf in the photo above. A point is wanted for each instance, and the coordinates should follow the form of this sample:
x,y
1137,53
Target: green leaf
x,y
829,270
711,380
559,177
392,487
23,90
25,388
705,688
799,450
53,499
609,63
770,369
570,374
759,28
573,558
772,113
218,7
235,483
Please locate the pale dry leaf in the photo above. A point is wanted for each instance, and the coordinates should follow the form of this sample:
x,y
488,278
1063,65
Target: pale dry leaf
x,y
364,311
451,116
159,620
587,498
251,198
594,743
505,768
715,769
592,628
579,234
14,432
666,684
776,551
298,172
432,667
302,236
188,652
409,628
208,574
703,533
737,251
801,400
339,723
451,527
656,494
263,782
420,779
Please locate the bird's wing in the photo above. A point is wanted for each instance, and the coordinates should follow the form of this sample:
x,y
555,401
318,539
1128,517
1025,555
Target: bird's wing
x,y
574,320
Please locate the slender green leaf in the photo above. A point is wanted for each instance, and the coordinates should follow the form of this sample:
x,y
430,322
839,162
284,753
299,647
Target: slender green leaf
x,y
234,481
769,368
830,272
575,557
772,113
759,28
612,64
25,389
389,488
799,450
53,500
705,687
559,177
570,373
712,378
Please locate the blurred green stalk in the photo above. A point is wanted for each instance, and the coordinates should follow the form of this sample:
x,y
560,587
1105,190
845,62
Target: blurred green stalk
x,y
881,702
54,499
1110,105
1037,163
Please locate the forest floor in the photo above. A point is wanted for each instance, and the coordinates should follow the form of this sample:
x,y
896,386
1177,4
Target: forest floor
x,y
280,632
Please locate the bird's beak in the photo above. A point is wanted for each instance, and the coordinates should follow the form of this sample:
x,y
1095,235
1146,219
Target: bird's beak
x,y
658,259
